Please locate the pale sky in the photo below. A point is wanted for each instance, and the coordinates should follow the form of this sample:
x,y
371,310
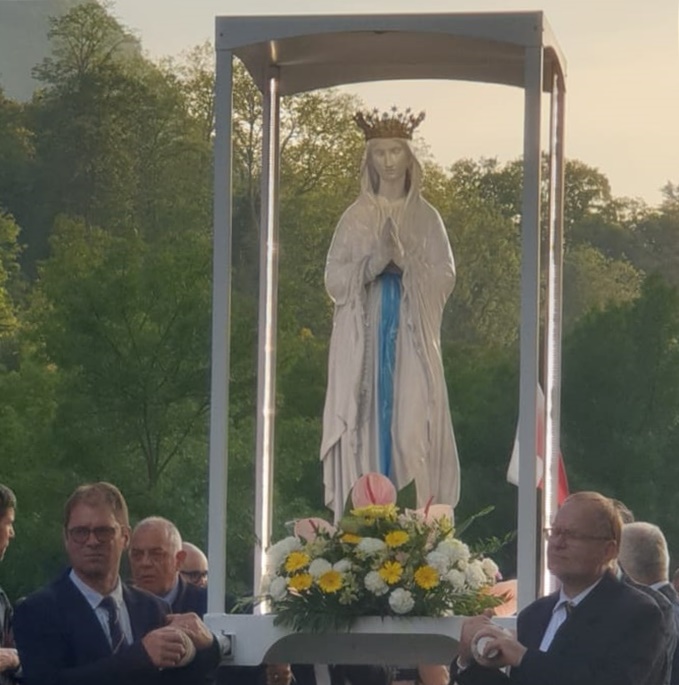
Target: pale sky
x,y
622,80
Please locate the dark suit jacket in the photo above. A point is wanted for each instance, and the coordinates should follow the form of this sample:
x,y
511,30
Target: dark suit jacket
x,y
614,637
6,640
669,627
61,641
668,591
189,598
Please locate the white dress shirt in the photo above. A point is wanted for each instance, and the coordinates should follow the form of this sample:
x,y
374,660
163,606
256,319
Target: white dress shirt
x,y
94,599
560,613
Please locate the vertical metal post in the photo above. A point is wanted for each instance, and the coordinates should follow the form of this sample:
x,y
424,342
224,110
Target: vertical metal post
x,y
553,323
221,327
268,309
529,331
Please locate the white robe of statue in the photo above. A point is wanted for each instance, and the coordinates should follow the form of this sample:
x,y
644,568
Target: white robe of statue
x,y
380,230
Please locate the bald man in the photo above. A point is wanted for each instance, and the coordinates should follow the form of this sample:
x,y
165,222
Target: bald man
x,y
193,567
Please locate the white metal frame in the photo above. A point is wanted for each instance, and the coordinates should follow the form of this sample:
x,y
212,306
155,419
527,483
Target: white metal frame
x,y
287,55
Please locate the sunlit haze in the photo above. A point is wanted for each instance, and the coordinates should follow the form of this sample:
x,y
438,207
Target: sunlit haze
x,y
623,79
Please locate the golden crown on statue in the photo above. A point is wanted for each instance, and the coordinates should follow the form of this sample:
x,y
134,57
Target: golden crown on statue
x,y
392,124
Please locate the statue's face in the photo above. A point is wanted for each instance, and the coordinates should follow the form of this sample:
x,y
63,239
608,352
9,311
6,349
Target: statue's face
x,y
390,158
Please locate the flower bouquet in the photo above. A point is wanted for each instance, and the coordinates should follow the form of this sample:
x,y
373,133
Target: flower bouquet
x,y
379,561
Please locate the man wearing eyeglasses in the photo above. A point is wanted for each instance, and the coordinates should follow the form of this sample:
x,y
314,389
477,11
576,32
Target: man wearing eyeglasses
x,y
596,630
194,566
88,628
156,555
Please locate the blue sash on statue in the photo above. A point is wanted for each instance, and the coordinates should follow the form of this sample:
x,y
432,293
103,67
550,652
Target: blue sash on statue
x,y
388,330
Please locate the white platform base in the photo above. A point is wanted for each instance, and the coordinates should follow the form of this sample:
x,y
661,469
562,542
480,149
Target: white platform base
x,y
372,640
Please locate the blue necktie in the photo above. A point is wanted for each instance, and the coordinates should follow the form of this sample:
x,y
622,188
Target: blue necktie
x,y
117,636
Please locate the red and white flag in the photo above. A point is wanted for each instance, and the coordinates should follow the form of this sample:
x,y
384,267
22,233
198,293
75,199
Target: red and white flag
x,y
513,469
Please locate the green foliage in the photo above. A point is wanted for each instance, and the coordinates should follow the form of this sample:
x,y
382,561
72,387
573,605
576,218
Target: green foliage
x,y
84,40
595,281
620,403
9,268
128,323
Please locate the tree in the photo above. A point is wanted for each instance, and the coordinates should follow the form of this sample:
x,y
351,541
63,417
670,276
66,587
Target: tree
x,y
16,153
621,403
593,281
84,40
9,271
128,323
116,144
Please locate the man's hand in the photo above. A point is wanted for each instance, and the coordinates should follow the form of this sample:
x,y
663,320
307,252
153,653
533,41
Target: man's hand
x,y
165,647
278,674
192,625
433,674
509,650
9,659
470,627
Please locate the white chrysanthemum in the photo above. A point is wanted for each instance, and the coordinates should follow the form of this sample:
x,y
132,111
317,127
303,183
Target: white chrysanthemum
x,y
401,601
490,568
456,579
371,545
475,575
277,553
454,549
278,588
374,583
439,561
342,566
318,567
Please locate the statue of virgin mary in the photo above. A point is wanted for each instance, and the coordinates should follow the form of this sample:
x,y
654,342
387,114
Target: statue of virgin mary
x,y
389,272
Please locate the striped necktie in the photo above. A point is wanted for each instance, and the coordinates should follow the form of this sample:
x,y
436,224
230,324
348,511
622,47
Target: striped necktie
x,y
116,632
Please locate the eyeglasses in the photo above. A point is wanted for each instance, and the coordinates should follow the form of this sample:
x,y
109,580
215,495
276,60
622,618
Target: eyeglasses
x,y
194,576
156,555
571,535
81,534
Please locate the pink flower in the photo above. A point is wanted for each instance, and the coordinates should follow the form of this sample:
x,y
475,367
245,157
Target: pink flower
x,y
373,488
433,512
309,528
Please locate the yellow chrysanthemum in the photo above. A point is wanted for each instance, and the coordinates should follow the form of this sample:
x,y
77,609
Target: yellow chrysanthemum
x,y
396,538
296,561
350,539
300,582
427,577
330,581
377,511
391,572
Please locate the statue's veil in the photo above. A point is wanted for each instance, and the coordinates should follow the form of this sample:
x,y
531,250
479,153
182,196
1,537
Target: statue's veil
x,y
370,180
